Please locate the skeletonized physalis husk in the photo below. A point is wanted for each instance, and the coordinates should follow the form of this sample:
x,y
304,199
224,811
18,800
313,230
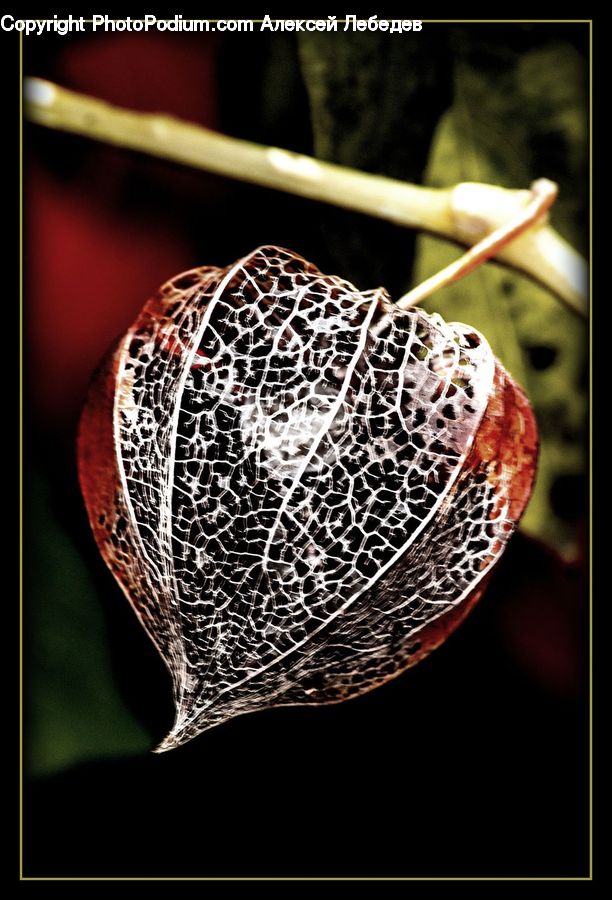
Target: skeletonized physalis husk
x,y
296,507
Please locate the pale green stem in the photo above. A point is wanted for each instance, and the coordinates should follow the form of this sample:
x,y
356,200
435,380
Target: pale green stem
x,y
464,214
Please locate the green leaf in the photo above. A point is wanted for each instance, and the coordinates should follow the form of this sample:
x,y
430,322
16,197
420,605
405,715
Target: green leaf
x,y
364,90
502,104
73,710
521,116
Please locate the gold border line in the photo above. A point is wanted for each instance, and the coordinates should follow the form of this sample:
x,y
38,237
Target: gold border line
x,y
21,767
588,877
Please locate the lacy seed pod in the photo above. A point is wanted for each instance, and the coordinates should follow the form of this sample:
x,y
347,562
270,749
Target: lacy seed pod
x,y
298,505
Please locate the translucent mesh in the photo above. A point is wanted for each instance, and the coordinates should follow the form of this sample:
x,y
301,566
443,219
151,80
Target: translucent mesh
x,y
295,498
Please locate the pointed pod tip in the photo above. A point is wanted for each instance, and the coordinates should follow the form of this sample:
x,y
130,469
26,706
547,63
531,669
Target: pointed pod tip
x,y
182,731
188,725
172,740
179,735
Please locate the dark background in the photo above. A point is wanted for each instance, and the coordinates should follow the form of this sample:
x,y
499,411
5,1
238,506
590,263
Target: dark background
x,y
475,762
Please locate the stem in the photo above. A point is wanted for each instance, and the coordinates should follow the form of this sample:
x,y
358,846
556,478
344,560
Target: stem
x,y
543,193
180,141
461,214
